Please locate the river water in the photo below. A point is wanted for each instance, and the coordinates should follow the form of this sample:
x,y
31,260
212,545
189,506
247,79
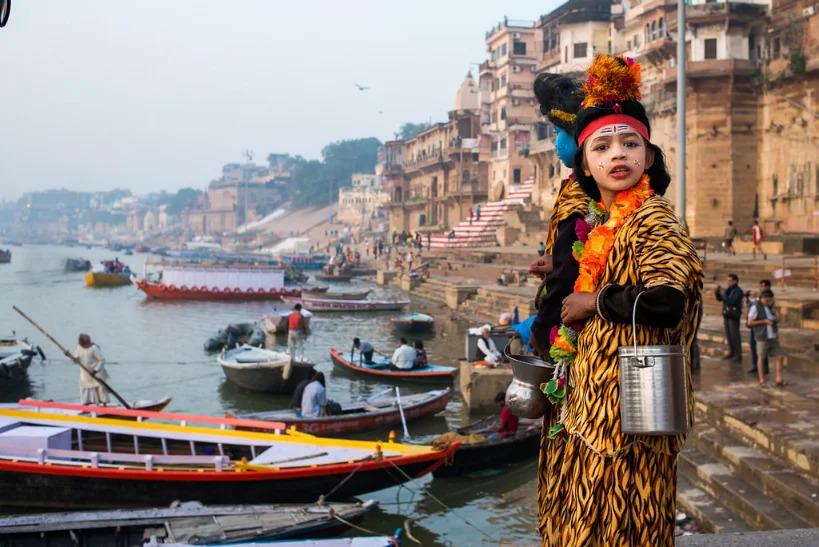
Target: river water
x,y
154,348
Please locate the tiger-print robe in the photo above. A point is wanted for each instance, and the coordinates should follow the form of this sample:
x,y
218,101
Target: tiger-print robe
x,y
600,486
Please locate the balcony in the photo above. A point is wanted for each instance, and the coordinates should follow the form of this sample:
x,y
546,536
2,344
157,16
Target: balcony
x,y
487,67
550,58
711,68
521,91
541,146
437,157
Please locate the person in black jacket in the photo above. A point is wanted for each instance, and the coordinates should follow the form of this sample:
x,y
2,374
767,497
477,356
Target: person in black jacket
x,y
731,298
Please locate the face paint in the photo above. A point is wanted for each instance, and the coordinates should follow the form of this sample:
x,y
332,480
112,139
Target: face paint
x,y
565,146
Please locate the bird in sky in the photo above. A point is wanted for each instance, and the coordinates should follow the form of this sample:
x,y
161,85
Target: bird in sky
x,y
361,87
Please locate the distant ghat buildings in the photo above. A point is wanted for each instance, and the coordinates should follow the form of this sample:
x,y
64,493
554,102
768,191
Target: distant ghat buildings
x,y
752,114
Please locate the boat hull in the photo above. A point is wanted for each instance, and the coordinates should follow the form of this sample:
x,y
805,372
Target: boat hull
x,y
319,304
31,485
93,279
445,375
269,379
327,425
16,369
476,457
154,290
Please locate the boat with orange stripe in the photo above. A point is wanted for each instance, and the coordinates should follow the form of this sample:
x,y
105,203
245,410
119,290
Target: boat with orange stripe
x,y
53,459
381,368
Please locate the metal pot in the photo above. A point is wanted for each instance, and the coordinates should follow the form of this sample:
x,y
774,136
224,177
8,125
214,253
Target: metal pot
x,y
523,396
653,388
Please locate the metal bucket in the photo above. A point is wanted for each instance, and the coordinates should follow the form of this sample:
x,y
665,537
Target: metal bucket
x,y
523,396
653,388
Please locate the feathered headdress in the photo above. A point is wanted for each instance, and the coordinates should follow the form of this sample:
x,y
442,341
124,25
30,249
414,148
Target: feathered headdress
x,y
612,86
612,80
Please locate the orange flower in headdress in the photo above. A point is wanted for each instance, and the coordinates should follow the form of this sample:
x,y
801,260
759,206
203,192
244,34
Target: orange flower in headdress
x,y
612,80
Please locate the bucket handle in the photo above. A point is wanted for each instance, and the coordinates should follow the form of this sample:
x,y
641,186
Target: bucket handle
x,y
646,360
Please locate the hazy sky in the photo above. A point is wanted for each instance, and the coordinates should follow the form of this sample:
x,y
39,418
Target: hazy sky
x,y
153,95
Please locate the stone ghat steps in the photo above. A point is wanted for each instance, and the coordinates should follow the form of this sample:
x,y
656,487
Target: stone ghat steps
x,y
706,509
802,274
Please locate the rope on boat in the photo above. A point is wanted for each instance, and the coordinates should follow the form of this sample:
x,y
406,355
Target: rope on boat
x,y
345,479
445,506
407,524
351,525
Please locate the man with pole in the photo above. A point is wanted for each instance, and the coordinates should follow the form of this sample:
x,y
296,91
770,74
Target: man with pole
x,y
93,369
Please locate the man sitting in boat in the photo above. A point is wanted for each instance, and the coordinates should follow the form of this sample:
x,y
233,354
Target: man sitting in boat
x,y
420,355
90,357
298,393
487,350
314,398
509,422
403,358
365,350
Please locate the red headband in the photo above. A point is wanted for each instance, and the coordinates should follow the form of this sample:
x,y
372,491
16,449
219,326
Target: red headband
x,y
612,119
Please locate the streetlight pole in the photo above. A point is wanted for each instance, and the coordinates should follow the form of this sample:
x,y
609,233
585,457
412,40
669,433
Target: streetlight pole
x,y
681,207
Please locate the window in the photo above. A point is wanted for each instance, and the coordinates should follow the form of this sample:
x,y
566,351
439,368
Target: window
x,y
777,46
519,48
516,176
503,113
653,30
628,45
636,41
710,48
503,80
662,27
546,40
494,54
503,144
566,54
648,33
503,50
580,50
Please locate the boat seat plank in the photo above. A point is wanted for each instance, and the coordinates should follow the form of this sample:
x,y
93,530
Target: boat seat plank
x,y
298,456
233,523
108,457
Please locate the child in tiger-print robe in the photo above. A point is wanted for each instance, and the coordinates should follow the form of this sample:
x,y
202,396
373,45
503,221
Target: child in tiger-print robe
x,y
600,486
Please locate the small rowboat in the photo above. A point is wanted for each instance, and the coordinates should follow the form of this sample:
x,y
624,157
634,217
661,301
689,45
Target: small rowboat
x,y
361,415
486,454
85,462
343,295
413,322
263,370
321,304
427,374
77,265
98,410
186,522
93,279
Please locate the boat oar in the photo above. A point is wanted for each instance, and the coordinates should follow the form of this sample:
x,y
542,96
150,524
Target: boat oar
x,y
73,359
401,411
379,394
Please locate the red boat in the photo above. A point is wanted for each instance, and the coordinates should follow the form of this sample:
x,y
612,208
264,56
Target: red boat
x,y
372,413
160,290
427,374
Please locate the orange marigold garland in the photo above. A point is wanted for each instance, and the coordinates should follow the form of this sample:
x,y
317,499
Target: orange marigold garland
x,y
591,250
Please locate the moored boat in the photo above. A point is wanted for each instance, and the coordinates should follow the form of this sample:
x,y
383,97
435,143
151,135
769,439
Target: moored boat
x,y
371,413
476,452
380,368
305,261
183,292
97,279
334,277
321,304
189,522
263,369
361,295
155,405
58,461
5,256
414,322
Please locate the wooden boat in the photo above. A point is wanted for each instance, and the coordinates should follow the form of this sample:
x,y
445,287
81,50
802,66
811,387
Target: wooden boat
x,y
77,265
53,460
334,277
306,262
371,413
263,370
486,454
101,411
414,322
321,304
16,356
5,256
93,279
253,334
160,290
427,374
189,522
344,295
